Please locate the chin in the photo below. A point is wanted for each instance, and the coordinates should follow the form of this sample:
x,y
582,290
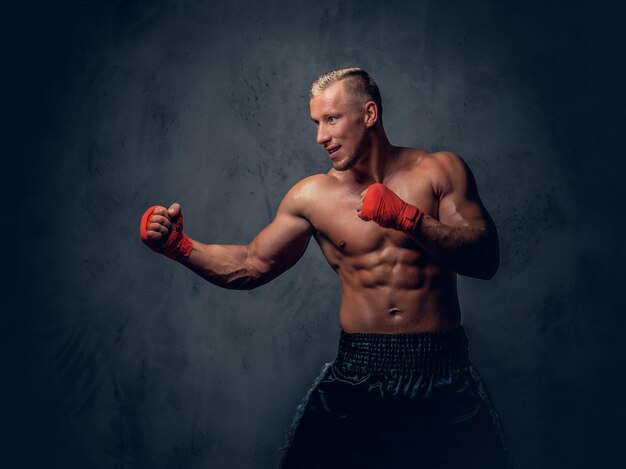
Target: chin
x,y
345,165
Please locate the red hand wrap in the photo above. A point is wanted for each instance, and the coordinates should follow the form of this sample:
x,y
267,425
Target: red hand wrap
x,y
383,206
177,244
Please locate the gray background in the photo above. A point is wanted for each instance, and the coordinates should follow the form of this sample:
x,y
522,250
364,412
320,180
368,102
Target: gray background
x,y
114,357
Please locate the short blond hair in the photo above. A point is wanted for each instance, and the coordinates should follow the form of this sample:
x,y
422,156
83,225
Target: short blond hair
x,y
362,87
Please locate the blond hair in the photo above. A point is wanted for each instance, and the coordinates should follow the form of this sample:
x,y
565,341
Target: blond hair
x,y
361,86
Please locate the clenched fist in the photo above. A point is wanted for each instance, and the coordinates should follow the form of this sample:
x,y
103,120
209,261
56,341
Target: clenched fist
x,y
161,230
382,205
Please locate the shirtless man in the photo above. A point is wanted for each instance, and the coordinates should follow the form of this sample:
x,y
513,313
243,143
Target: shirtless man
x,y
397,225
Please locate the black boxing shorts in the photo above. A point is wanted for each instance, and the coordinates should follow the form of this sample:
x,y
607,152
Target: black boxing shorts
x,y
398,400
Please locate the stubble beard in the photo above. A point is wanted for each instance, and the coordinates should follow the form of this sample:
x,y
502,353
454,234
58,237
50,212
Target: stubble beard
x,y
346,164
361,150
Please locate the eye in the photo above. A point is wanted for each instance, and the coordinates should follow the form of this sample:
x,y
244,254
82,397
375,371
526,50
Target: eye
x,y
332,120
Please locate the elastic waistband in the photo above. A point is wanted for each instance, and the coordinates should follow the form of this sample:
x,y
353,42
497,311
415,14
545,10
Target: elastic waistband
x,y
426,352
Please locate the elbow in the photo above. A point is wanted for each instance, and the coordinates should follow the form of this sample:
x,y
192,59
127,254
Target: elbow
x,y
245,276
243,280
484,273
247,283
236,285
483,265
488,274
251,275
489,260
490,264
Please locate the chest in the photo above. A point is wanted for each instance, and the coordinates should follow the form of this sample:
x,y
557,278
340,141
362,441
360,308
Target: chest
x,y
338,225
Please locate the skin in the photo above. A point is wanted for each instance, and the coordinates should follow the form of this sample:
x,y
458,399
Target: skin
x,y
392,282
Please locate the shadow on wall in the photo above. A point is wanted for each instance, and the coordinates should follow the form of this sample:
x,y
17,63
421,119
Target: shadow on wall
x,y
114,357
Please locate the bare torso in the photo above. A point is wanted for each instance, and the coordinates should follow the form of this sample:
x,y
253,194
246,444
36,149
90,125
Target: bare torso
x,y
389,283
392,281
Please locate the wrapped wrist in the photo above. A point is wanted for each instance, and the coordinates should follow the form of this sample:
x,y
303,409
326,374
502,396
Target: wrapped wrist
x,y
409,218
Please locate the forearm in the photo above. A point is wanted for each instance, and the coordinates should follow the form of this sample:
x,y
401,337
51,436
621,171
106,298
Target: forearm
x,y
466,250
227,266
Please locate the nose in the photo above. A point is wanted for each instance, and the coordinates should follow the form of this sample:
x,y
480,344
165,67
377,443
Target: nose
x,y
322,134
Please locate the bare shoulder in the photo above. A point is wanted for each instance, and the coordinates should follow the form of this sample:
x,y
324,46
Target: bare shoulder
x,y
447,171
310,187
448,160
306,193
439,161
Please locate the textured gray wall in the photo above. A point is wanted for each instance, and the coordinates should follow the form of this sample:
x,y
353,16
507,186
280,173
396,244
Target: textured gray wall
x,y
114,357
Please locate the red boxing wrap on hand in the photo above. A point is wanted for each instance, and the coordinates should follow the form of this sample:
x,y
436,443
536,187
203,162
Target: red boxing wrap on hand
x,y
177,244
383,206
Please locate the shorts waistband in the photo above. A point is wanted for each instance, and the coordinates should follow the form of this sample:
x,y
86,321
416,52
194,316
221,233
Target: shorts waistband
x,y
426,352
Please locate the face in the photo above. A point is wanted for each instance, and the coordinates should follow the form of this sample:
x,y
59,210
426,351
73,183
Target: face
x,y
340,126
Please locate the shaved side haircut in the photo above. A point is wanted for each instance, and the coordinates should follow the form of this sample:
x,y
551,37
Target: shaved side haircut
x,y
361,86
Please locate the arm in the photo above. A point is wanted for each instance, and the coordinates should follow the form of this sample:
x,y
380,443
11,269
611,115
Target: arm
x,y
464,239
274,250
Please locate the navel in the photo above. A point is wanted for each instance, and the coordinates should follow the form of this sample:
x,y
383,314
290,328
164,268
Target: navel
x,y
393,311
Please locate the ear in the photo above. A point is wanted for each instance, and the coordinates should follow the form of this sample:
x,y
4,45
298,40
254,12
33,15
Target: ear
x,y
370,113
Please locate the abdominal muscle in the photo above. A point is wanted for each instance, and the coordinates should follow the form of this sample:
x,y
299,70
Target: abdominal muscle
x,y
389,283
397,291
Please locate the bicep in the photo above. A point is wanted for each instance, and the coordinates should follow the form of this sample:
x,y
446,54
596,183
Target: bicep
x,y
282,243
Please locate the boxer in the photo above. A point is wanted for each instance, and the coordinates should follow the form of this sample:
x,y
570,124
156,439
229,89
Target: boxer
x,y
397,225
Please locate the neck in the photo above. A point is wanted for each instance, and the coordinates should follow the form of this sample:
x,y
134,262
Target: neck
x,y
376,163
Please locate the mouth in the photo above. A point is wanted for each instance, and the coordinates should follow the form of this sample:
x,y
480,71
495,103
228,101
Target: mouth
x,y
332,150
